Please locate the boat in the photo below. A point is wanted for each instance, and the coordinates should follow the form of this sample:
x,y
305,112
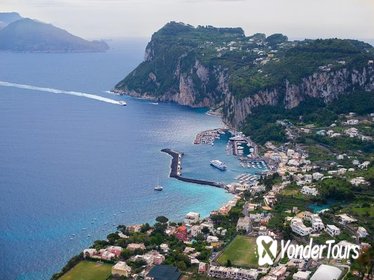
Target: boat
x,y
122,103
158,187
218,164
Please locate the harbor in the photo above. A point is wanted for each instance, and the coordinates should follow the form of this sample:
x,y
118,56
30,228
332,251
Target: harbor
x,y
176,167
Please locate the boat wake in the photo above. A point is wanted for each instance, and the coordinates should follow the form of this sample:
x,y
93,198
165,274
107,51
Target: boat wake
x,y
59,91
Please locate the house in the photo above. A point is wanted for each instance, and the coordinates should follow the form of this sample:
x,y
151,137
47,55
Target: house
x,y
181,233
351,132
362,232
164,247
298,227
232,273
116,250
345,219
306,190
317,176
203,267
212,239
164,272
191,218
332,230
245,224
151,258
317,223
278,271
358,181
301,275
121,269
136,246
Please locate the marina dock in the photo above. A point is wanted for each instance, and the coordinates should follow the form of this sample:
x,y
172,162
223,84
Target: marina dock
x,y
176,167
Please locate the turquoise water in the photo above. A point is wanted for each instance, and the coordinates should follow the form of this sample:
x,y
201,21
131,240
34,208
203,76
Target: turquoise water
x,y
72,168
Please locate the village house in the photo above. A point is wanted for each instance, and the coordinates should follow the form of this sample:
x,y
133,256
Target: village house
x,y
192,218
298,227
181,233
362,232
121,269
345,219
244,224
332,230
351,132
232,273
136,246
301,275
306,190
358,181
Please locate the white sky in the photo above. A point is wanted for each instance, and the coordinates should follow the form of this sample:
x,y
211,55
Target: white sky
x,y
104,19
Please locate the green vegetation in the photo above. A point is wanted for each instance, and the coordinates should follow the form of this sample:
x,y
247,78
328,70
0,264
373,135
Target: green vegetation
x,y
240,252
262,126
87,270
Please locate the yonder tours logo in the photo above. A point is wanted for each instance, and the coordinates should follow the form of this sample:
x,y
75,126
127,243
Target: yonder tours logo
x,y
267,249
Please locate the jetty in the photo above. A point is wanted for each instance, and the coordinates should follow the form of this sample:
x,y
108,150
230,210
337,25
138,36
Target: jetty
x,y
176,167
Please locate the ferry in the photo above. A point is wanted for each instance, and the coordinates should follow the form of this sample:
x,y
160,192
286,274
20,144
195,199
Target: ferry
x,y
122,103
218,164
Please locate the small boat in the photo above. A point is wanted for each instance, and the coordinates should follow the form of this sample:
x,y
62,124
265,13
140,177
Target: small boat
x,y
158,188
122,103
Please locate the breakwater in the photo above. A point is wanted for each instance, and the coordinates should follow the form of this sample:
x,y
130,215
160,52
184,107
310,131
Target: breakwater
x,y
176,167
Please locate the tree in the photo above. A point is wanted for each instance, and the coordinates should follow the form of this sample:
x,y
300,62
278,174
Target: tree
x,y
162,219
205,230
228,263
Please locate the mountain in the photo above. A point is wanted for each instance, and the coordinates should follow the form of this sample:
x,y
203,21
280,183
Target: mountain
x,y
225,70
27,35
6,18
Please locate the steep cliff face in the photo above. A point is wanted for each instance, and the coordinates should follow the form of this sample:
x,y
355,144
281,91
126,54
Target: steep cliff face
x,y
327,86
223,69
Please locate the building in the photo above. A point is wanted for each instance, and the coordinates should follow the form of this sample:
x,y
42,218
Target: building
x,y
136,246
298,227
317,223
232,273
345,219
327,272
181,233
301,275
164,272
191,218
332,230
245,224
362,232
121,269
309,191
203,267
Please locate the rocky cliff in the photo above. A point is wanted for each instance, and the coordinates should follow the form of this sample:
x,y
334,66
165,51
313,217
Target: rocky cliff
x,y
223,69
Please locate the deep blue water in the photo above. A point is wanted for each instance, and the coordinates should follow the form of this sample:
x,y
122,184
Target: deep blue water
x,y
71,168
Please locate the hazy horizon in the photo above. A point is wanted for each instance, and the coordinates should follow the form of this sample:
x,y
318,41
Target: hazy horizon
x,y
114,19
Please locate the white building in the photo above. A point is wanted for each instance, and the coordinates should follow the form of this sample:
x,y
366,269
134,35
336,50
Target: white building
x,y
121,269
244,223
192,218
362,232
327,272
309,191
232,273
345,219
301,275
332,230
298,227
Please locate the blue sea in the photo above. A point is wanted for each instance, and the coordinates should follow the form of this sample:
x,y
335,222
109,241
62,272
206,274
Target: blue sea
x,y
73,168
